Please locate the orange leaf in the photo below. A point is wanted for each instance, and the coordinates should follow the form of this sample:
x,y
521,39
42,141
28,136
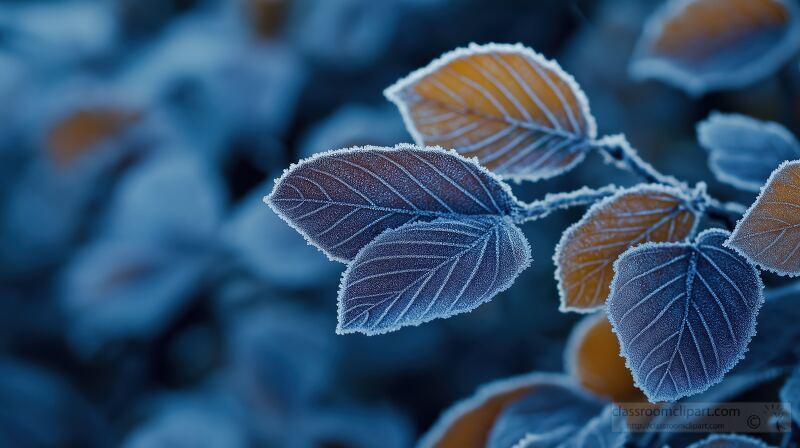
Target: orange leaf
x,y
80,131
593,359
769,233
266,16
586,253
517,112
703,45
468,423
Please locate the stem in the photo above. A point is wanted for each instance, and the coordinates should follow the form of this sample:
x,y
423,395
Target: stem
x,y
727,212
618,151
559,201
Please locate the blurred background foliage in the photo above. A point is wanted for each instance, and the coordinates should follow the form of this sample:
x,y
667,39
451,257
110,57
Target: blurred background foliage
x,y
149,298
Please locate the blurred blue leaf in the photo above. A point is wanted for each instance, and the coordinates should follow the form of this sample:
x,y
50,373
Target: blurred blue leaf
x,y
776,345
210,86
351,427
84,30
734,385
116,290
348,34
277,255
280,359
707,45
427,270
743,151
154,250
600,431
40,409
341,200
547,416
684,313
790,393
189,421
729,441
355,125
171,199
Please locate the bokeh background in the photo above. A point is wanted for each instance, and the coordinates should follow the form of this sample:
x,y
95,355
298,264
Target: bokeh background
x,y
148,298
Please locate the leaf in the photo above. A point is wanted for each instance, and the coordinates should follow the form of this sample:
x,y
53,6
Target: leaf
x,y
744,151
173,198
126,290
82,130
428,270
467,423
279,358
48,398
520,114
547,416
708,45
600,431
213,421
261,243
350,426
341,200
769,232
777,347
586,253
790,393
592,358
683,313
729,441
734,385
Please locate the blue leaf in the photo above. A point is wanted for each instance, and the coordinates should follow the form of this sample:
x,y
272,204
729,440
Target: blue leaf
x,y
549,415
116,290
778,346
468,422
280,359
350,426
267,248
601,431
41,409
354,124
684,313
734,385
428,270
173,197
729,441
341,200
202,419
743,151
790,393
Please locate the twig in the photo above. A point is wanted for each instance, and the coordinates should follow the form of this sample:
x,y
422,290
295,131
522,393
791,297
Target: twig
x,y
619,152
559,201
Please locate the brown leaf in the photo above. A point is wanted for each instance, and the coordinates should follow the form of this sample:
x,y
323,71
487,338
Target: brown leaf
x,y
517,112
593,359
586,253
769,233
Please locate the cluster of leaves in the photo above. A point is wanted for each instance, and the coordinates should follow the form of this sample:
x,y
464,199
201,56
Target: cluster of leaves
x,y
431,230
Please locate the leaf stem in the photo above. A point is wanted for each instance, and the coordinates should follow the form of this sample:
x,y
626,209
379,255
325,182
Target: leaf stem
x,y
727,212
559,201
619,152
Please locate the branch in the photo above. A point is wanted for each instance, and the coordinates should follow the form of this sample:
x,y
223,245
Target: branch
x,y
618,151
727,212
559,201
